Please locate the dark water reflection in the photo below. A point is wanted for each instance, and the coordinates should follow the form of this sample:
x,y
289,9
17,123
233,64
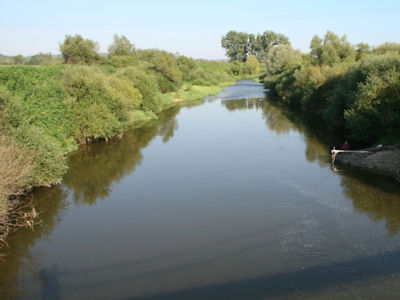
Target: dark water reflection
x,y
95,168
233,199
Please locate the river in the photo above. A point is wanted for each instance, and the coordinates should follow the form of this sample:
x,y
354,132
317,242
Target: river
x,y
233,197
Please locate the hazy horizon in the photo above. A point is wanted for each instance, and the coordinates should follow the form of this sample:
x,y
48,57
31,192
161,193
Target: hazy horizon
x,y
192,29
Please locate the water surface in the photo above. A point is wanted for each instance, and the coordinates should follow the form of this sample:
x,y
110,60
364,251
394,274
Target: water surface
x,y
230,198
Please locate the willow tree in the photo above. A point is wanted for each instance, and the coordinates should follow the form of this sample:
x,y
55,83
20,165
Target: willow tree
x,y
332,49
121,46
77,50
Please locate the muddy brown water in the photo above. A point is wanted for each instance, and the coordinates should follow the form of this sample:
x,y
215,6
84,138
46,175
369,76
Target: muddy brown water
x,y
230,198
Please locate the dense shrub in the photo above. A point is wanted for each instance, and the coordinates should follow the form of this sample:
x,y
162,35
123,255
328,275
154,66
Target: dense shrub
x,y
376,108
97,106
147,86
123,61
362,96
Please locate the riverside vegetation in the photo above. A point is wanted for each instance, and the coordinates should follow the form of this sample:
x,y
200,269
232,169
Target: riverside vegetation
x,y
355,88
49,106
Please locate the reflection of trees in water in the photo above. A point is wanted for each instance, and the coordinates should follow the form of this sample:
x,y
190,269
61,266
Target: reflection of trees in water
x,y
167,129
370,194
315,136
95,167
50,204
243,104
376,196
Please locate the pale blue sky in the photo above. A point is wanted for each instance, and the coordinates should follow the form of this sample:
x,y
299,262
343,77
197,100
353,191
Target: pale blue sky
x,y
192,28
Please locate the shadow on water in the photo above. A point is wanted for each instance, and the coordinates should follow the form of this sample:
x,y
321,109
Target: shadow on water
x,y
295,283
374,195
96,167
291,283
21,260
49,285
92,171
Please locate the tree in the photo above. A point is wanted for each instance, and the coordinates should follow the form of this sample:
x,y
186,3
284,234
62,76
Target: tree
x,y
165,64
77,50
387,48
263,43
281,58
121,46
362,50
252,65
18,60
332,49
240,45
186,65
236,45
40,59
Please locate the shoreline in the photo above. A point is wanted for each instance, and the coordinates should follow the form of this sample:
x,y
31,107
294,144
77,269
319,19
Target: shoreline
x,y
10,206
383,161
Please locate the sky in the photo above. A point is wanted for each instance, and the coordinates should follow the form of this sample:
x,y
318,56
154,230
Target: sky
x,y
192,28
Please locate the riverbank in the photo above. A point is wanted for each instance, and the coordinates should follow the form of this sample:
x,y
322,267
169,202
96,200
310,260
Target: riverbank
x,y
121,216
48,111
383,160
353,92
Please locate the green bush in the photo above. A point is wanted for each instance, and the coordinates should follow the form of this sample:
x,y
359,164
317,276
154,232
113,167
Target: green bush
x,y
147,86
376,108
124,61
362,96
98,107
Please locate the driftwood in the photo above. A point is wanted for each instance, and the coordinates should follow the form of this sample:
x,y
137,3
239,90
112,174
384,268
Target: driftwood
x,y
335,152
19,214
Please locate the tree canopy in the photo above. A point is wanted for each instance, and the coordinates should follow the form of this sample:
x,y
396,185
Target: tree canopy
x,y
77,50
332,49
240,45
280,58
121,46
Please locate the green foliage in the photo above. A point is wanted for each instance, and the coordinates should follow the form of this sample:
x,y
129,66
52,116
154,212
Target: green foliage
x,y
171,76
332,49
363,49
123,61
42,140
18,60
187,66
252,66
376,108
121,46
146,84
48,154
98,103
38,95
388,47
77,50
281,58
40,59
240,45
262,44
361,96
236,45
48,109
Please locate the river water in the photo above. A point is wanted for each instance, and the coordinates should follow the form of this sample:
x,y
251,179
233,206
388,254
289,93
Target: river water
x,y
229,198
